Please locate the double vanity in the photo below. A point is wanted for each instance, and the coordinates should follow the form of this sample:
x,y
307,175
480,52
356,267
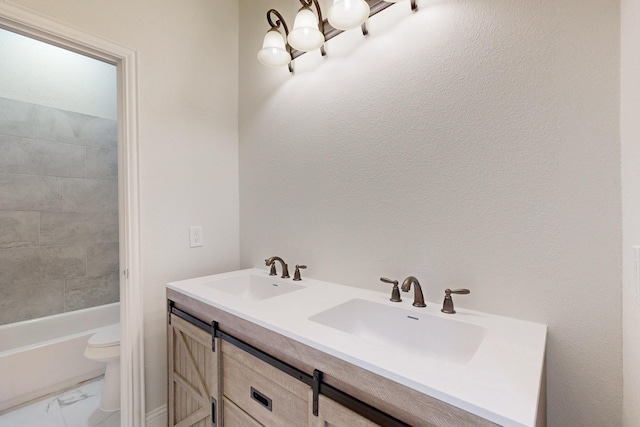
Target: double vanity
x,y
250,349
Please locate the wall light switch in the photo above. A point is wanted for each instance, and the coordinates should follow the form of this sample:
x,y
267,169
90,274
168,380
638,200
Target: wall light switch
x,y
195,236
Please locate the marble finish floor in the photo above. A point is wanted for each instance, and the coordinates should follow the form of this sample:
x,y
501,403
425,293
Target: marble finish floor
x,y
73,408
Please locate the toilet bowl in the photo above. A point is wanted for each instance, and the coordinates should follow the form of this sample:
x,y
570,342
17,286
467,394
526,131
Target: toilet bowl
x,y
104,346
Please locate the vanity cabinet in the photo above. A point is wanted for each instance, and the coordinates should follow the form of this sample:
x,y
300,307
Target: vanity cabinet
x,y
254,377
252,393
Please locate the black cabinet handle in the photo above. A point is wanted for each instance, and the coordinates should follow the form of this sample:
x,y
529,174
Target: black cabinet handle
x,y
261,399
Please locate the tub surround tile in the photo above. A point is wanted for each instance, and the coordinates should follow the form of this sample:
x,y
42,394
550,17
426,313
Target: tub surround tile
x,y
37,265
50,300
58,210
83,292
103,259
19,229
71,228
90,195
30,192
35,157
18,118
102,163
76,128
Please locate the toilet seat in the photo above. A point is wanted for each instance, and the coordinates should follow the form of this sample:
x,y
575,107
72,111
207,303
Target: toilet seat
x,y
106,337
104,345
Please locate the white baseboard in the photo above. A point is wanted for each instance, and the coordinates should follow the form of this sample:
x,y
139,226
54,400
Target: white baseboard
x,y
157,417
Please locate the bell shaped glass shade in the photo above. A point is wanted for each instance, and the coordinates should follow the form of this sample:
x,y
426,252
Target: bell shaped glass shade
x,y
305,35
273,52
348,14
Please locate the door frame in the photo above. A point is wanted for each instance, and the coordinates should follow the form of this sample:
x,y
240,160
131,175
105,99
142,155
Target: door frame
x,y
31,24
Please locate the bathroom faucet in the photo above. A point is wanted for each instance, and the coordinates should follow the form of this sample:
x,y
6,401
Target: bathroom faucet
x,y
418,298
395,292
271,263
447,305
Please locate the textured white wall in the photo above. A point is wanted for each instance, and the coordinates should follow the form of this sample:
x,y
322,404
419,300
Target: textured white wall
x,y
630,140
82,84
187,82
472,144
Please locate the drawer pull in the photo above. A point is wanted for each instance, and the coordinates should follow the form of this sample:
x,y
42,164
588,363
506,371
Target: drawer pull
x,y
261,399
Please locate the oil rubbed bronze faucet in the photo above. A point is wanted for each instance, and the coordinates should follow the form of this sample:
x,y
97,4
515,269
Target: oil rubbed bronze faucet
x,y
418,298
271,262
296,274
395,292
447,305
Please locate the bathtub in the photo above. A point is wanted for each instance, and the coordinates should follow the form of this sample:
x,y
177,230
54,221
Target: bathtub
x,y
45,355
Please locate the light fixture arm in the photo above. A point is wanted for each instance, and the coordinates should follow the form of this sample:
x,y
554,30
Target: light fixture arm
x,y
308,3
280,21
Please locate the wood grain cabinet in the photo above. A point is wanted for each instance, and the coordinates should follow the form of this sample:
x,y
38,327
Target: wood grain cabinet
x,y
332,414
192,375
268,395
217,380
238,389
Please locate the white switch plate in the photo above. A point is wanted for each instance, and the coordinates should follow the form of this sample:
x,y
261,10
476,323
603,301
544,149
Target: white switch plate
x,y
195,236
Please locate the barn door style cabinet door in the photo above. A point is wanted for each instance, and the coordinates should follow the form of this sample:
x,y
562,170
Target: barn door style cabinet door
x,y
194,380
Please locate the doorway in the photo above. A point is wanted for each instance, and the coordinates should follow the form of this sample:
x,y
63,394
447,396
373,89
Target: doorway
x,y
119,165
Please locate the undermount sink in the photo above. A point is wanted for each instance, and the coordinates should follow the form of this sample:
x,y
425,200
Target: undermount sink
x,y
427,335
253,287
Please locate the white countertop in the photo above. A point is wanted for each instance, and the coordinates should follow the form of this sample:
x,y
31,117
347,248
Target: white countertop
x,y
500,383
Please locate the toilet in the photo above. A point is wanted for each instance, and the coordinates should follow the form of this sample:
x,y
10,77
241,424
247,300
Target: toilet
x,y
104,346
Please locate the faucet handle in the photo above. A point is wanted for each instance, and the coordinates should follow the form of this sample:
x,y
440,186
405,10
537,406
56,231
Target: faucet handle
x,y
296,274
395,293
272,270
447,305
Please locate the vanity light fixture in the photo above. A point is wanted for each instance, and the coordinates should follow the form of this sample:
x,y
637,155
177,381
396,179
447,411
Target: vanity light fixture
x,y
275,52
310,31
347,14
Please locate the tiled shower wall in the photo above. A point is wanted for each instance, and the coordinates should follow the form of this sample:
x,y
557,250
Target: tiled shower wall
x,y
58,211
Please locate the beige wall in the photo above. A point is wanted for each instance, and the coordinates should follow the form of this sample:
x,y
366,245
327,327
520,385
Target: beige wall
x,y
472,144
187,82
630,139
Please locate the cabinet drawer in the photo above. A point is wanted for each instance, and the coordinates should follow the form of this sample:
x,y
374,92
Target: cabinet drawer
x,y
236,417
272,397
332,414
